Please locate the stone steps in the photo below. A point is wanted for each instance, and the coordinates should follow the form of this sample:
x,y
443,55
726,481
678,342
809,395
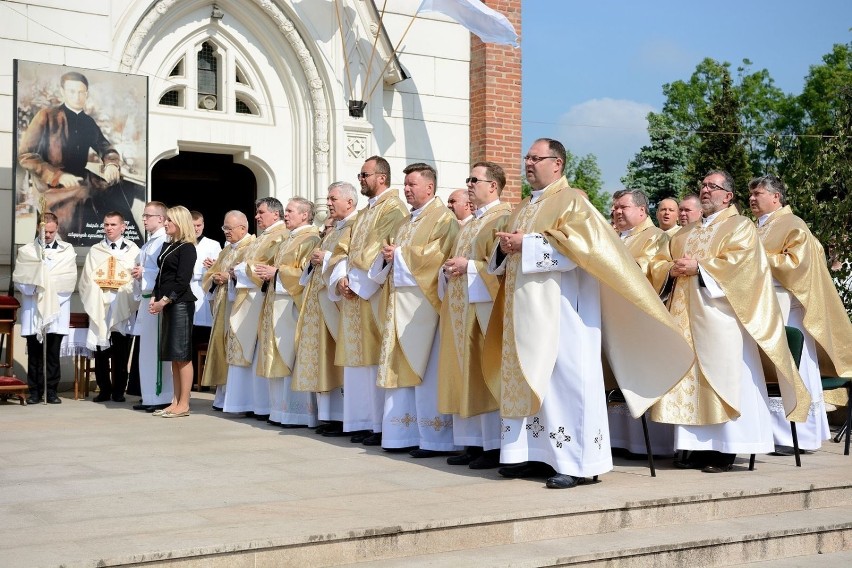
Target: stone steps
x,y
722,542
841,559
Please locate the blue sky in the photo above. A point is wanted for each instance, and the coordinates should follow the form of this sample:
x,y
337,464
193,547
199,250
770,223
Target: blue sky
x,y
593,70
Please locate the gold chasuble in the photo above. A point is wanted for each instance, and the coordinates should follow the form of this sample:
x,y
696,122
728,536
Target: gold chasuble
x,y
316,332
216,364
280,313
461,384
644,242
245,312
729,250
523,336
410,313
106,272
359,340
797,261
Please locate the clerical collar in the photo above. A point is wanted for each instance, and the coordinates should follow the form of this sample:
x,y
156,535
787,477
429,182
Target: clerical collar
x,y
761,221
466,219
625,234
77,112
234,245
339,224
272,226
298,230
707,220
416,212
158,233
481,211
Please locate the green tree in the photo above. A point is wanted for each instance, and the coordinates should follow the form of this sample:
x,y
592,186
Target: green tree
x,y
659,169
582,173
720,144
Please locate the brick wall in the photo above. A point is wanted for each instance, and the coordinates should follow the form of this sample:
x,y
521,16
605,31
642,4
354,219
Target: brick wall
x,y
495,102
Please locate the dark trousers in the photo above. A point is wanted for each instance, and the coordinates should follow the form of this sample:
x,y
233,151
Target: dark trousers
x,y
35,364
114,358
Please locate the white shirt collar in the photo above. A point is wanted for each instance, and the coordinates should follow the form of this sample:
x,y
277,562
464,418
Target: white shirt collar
x,y
161,232
298,230
339,224
416,212
707,220
234,245
272,226
481,211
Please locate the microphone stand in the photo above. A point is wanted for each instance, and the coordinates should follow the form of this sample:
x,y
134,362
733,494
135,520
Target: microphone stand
x,y
42,248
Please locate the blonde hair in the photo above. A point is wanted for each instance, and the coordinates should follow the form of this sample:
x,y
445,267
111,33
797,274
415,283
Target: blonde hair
x,y
182,219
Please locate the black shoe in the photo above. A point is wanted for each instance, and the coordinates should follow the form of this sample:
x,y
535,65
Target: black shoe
x,y
373,440
526,470
421,453
154,407
718,468
142,406
293,426
217,408
34,399
273,423
119,399
261,417
360,436
102,398
333,428
487,460
470,454
53,399
562,481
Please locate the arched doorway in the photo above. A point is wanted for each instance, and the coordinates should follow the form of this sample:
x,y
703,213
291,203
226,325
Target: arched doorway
x,y
210,183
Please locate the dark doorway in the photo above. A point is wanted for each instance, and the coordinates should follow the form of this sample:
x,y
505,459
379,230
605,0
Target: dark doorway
x,y
210,183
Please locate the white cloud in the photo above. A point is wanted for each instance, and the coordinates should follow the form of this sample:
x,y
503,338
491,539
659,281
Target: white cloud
x,y
612,129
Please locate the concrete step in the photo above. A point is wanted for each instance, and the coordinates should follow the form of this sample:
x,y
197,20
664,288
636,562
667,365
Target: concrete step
x,y
829,560
722,542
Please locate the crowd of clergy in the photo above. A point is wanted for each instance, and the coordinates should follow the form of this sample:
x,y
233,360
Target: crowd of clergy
x,y
487,334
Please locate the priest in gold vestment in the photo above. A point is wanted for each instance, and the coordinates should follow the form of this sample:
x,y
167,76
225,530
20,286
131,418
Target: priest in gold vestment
x,y
571,294
280,314
722,298
316,333
408,361
358,349
214,284
644,241
248,392
468,292
809,302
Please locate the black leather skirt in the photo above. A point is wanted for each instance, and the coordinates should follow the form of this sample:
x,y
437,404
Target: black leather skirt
x,y
176,332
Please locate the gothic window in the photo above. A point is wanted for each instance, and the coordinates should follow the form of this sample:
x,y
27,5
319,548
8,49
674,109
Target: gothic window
x,y
173,97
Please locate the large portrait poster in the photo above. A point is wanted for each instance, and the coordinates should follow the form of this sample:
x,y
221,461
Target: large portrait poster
x,y
81,149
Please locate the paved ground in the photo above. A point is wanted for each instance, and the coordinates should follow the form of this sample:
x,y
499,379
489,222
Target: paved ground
x,y
83,483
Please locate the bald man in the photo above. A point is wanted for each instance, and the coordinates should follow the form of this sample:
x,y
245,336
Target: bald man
x,y
459,204
667,212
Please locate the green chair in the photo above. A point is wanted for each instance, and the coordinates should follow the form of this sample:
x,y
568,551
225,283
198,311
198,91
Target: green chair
x,y
796,341
833,383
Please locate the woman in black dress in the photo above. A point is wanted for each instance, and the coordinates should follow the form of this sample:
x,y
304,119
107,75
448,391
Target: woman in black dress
x,y
173,298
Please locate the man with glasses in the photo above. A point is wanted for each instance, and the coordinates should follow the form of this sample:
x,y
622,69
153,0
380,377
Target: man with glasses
x,y
319,319
155,377
571,294
217,287
355,292
722,299
460,205
468,293
247,391
809,302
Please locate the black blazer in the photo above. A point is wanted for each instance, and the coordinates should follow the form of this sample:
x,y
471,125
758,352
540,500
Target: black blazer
x,y
176,262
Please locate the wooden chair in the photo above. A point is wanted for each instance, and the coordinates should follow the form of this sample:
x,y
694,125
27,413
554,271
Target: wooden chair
x,y
796,341
616,396
83,368
201,360
10,386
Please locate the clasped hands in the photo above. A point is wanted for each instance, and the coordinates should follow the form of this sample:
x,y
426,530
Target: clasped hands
x,y
455,267
265,272
684,267
317,257
510,243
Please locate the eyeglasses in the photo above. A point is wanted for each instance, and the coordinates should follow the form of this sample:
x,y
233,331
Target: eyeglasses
x,y
365,175
226,229
711,186
536,159
474,181
147,215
